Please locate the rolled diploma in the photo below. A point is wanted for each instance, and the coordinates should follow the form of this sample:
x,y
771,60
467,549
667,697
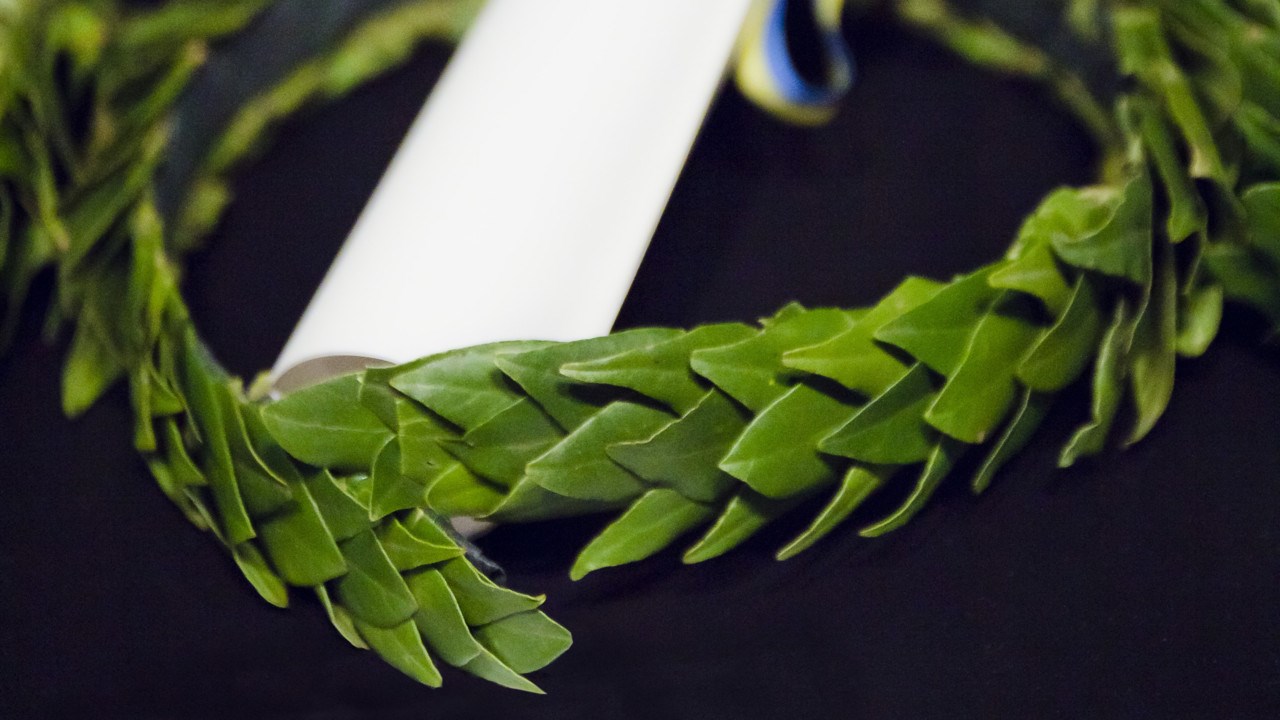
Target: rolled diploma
x,y
524,195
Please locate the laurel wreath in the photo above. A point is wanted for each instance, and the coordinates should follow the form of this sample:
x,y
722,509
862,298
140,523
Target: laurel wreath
x,y
345,487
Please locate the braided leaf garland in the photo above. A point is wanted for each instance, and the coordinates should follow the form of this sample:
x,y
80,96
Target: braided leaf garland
x,y
397,583
341,487
722,428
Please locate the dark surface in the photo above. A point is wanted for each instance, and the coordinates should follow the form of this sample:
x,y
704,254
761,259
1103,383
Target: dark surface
x,y
1144,585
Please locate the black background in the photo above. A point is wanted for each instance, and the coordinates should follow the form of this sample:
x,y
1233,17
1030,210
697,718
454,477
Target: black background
x,y
1142,585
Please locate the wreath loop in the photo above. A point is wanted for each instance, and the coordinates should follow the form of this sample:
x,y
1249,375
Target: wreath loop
x,y
340,487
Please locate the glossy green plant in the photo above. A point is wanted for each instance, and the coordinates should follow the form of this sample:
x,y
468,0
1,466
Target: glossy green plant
x,y
341,487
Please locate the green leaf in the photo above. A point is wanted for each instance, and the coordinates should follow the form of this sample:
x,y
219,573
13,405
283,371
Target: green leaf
x,y
300,545
407,551
1108,375
528,502
684,454
401,646
460,493
392,489
1262,208
980,392
372,589
440,619
660,371
263,496
1199,315
1246,276
490,668
526,641
340,619
480,600
201,385
177,459
649,525
463,386
890,429
1154,351
500,448
751,370
326,425
858,484
420,432
578,466
343,515
1116,238
745,513
1017,433
1066,349
853,358
1187,214
1035,272
91,368
776,455
940,462
538,371
937,331
1144,52
1261,132
260,575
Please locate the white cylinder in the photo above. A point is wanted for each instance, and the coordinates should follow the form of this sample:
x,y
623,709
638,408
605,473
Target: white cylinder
x,y
526,192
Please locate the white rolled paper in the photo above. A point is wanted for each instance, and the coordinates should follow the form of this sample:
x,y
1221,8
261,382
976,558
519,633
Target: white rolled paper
x,y
525,193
